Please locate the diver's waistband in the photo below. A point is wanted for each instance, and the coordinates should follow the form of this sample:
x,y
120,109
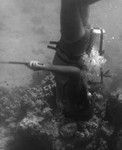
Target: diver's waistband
x,y
75,50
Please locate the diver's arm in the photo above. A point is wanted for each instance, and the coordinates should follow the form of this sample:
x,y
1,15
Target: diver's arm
x,y
60,69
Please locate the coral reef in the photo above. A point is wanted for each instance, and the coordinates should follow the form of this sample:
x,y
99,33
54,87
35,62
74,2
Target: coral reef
x,y
34,123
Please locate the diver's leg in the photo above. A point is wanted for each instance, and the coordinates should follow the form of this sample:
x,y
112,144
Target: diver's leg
x,y
74,18
72,28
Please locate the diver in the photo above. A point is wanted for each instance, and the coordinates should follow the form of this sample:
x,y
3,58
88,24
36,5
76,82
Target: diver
x,y
72,94
76,37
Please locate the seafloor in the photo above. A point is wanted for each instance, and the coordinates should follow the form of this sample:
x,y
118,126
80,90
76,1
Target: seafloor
x,y
29,121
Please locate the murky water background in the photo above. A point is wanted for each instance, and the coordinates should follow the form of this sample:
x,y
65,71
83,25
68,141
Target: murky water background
x,y
26,26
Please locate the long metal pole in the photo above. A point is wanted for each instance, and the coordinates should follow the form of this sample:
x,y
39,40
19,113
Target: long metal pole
x,y
14,62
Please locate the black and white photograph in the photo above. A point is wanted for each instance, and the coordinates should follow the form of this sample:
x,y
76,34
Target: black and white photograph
x,y
60,74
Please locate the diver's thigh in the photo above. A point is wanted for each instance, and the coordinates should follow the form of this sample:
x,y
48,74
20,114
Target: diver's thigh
x,y
72,28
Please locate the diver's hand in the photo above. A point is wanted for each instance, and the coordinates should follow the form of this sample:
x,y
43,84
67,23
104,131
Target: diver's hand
x,y
35,65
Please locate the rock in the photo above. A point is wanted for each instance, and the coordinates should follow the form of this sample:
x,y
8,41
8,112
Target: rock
x,y
12,126
30,122
120,98
114,111
35,132
80,135
58,145
68,130
47,112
